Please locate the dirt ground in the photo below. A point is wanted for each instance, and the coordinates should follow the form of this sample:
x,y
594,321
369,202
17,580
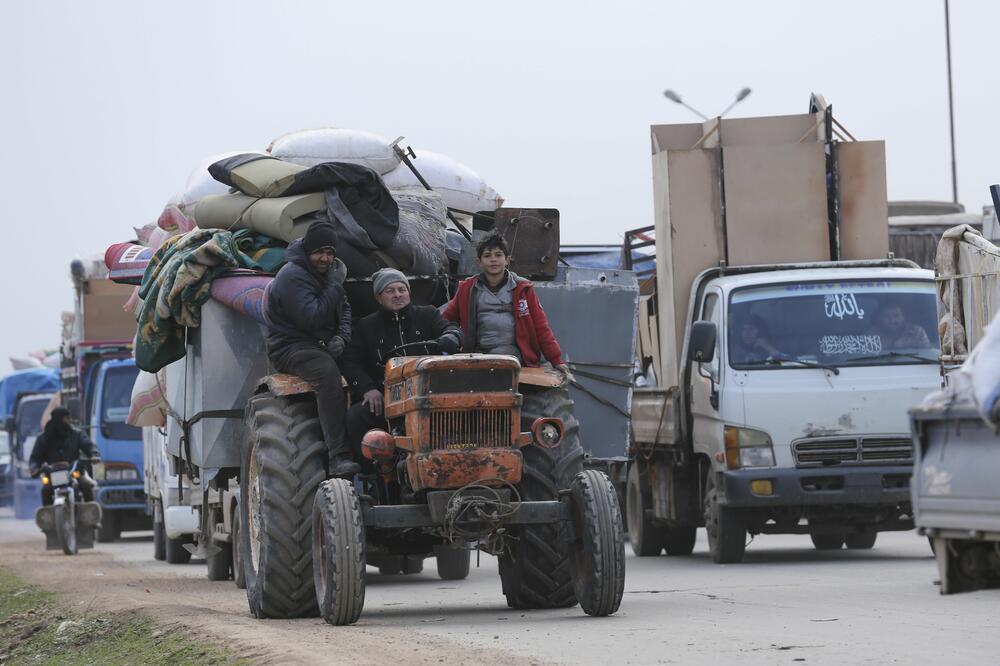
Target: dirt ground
x,y
95,582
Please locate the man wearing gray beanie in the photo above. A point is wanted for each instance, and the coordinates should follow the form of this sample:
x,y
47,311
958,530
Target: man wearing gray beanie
x,y
397,322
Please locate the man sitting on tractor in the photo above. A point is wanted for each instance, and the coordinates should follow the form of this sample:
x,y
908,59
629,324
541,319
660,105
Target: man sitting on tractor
x,y
500,313
60,442
396,323
309,327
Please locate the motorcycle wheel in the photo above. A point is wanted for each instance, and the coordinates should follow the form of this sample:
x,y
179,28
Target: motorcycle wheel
x,y
65,515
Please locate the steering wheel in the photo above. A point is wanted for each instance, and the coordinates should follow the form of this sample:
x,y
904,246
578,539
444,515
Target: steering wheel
x,y
430,347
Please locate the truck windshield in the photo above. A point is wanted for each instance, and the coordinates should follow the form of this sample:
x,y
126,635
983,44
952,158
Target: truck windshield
x,y
29,417
834,323
4,443
116,400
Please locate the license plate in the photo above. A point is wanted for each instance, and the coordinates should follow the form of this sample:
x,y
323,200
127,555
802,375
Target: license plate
x,y
59,478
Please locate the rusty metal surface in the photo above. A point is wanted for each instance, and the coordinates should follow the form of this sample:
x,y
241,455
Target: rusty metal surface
x,y
543,377
453,401
454,469
532,234
281,383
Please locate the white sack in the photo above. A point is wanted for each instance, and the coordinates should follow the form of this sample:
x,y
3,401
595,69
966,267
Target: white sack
x,y
330,144
458,185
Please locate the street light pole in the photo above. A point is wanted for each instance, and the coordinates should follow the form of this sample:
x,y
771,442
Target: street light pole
x,y
951,104
675,98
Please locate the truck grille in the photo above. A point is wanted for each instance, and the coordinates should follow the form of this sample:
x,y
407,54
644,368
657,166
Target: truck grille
x,y
461,429
828,452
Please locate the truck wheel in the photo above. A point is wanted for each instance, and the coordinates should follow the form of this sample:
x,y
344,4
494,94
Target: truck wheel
x,y
599,557
861,540
535,567
827,541
338,552
680,540
159,535
727,532
239,577
219,564
175,551
283,465
452,563
646,536
66,527
108,531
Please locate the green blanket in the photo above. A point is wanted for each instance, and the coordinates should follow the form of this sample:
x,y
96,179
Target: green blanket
x,y
178,281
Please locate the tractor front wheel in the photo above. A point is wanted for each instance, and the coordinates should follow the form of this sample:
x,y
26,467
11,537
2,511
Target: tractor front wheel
x,y
338,552
599,557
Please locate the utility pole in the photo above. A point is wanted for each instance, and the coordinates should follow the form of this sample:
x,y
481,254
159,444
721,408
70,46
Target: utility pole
x,y
951,104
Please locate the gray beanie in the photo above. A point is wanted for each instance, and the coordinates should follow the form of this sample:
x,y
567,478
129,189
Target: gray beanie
x,y
386,276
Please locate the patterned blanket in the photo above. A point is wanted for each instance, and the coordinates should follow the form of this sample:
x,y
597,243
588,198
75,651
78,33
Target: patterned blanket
x,y
178,281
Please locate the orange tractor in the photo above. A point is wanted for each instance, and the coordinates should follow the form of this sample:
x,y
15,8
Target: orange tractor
x,y
478,453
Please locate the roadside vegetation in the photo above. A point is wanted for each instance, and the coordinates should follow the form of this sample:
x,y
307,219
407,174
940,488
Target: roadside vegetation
x,y
35,628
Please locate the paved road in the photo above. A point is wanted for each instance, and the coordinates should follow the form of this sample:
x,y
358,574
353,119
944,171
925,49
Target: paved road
x,y
787,603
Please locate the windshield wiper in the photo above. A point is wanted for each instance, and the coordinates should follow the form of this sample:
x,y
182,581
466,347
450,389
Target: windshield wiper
x,y
894,354
806,364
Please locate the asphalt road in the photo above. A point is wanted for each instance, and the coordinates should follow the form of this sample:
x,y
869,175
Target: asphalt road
x,y
787,603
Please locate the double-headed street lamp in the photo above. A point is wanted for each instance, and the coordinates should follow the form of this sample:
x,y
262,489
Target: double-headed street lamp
x,y
674,97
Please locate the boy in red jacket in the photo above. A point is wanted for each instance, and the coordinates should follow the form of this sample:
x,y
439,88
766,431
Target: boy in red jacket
x,y
500,313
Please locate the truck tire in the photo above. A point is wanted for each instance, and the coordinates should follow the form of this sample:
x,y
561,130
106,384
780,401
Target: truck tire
x,y
108,532
338,552
827,541
219,564
239,576
535,569
861,540
646,535
159,535
599,562
175,551
679,541
452,563
726,528
283,465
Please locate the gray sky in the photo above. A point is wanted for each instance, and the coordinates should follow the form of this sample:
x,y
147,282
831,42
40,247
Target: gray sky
x,y
107,106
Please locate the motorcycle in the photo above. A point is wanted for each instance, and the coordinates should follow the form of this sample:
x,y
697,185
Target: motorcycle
x,y
69,522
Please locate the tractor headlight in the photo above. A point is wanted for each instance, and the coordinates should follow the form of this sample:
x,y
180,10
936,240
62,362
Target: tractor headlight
x,y
547,433
746,447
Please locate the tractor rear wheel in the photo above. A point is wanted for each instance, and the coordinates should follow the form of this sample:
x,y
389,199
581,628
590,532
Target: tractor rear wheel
x,y
284,463
599,555
338,552
535,568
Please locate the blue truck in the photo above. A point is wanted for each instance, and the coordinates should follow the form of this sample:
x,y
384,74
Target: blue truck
x,y
24,397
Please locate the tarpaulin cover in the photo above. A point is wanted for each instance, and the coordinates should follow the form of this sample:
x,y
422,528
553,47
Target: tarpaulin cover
x,y
178,281
35,380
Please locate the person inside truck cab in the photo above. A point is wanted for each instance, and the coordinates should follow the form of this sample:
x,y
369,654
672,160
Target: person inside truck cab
x,y
500,313
397,322
751,343
896,332
309,325
60,442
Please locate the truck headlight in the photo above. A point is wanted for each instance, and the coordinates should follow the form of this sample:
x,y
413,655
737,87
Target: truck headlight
x,y
746,447
116,472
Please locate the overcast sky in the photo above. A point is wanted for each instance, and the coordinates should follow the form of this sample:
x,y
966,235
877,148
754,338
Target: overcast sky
x,y
107,106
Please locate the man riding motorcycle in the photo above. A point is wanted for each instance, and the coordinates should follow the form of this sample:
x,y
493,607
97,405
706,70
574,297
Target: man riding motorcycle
x,y
60,442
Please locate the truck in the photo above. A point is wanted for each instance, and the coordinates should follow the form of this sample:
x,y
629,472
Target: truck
x,y
786,343
167,500
98,373
25,397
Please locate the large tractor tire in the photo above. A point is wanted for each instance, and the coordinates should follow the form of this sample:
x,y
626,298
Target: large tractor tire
x,y
726,527
284,463
646,536
535,569
338,552
452,563
599,562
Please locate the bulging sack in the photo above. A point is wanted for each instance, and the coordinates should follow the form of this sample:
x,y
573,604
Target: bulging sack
x,y
331,144
459,186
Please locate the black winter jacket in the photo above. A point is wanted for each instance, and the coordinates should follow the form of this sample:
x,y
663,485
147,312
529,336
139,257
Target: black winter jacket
x,y
363,364
52,448
305,308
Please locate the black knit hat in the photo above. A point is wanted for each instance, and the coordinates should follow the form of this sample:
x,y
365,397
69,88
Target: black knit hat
x,y
319,236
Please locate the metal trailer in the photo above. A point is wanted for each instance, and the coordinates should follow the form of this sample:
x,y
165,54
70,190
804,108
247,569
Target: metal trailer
x,y
956,498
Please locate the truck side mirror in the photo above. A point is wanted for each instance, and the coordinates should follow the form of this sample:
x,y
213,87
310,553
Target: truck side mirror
x,y
702,344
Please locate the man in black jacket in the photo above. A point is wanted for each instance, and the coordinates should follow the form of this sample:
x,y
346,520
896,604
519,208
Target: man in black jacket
x,y
396,323
309,321
60,442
